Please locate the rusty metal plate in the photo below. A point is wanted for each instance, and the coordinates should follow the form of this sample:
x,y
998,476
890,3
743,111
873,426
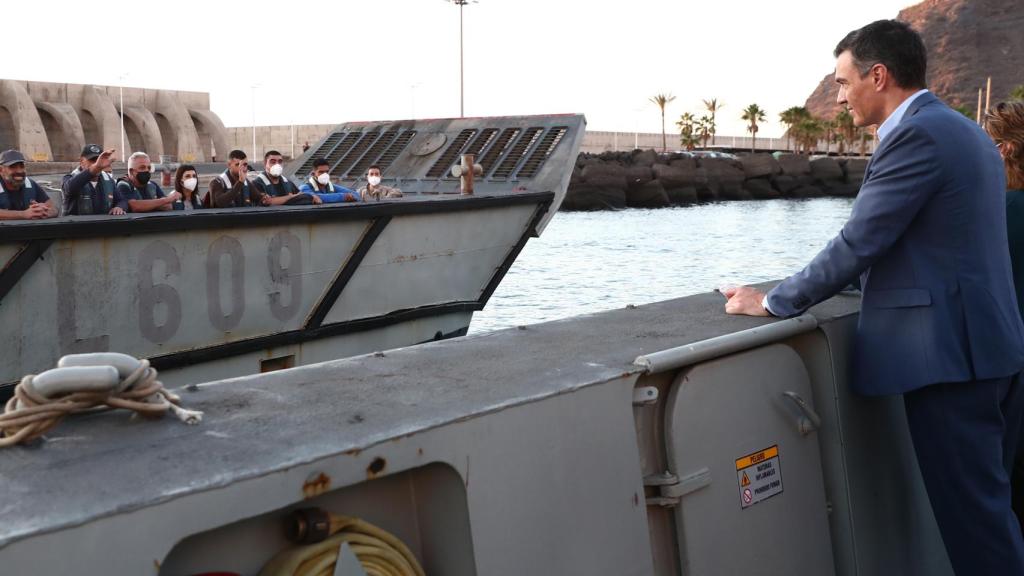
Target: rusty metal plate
x,y
430,144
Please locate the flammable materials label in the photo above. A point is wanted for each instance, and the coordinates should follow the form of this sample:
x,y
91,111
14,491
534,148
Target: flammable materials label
x,y
759,476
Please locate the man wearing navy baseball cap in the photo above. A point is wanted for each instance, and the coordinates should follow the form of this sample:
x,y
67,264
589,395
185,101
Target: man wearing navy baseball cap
x,y
20,197
89,189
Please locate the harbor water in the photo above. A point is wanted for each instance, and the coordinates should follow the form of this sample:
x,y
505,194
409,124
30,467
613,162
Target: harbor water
x,y
592,261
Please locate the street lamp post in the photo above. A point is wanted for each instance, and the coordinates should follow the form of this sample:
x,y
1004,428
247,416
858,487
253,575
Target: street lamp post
x,y
462,93
254,87
120,89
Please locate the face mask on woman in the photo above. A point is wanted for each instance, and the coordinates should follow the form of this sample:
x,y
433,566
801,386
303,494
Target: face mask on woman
x,y
190,184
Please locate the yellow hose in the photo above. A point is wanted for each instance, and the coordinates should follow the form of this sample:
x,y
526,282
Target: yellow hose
x,y
379,552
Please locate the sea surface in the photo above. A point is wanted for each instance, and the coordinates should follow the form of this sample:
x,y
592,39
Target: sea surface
x,y
591,261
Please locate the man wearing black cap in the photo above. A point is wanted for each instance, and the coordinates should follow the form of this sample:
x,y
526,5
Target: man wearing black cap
x,y
90,189
20,197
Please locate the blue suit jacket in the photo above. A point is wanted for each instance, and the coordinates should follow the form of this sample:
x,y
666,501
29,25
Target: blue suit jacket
x,y
927,237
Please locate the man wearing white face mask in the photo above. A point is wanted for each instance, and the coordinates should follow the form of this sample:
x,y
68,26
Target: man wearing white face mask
x,y
374,189
276,188
319,184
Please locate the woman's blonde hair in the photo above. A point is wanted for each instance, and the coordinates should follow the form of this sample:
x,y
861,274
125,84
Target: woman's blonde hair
x,y
1005,123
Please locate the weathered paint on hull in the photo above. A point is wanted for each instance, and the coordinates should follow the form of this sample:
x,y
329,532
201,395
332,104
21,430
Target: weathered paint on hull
x,y
229,289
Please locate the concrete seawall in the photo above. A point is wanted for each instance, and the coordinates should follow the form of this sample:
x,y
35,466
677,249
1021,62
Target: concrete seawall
x,y
646,179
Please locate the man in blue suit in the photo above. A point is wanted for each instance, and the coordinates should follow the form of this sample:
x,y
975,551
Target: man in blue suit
x,y
939,321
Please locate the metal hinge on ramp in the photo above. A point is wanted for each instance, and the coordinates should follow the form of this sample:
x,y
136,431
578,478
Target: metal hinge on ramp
x,y
671,487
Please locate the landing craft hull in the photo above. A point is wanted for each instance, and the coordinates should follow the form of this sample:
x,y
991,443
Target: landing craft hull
x,y
221,293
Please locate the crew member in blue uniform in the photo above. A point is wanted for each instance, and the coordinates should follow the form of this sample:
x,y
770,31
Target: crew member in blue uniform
x,y
136,192
20,197
89,189
276,188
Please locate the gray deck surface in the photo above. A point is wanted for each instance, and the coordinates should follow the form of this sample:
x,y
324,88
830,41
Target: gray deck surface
x,y
98,465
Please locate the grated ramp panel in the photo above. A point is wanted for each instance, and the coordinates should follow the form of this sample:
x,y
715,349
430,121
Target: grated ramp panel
x,y
542,152
353,155
529,137
395,149
499,147
371,156
445,162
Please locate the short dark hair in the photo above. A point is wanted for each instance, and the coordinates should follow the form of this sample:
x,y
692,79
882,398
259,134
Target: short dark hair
x,y
271,153
320,162
372,166
891,43
236,155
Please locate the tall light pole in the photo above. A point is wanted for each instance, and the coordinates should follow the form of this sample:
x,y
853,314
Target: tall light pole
x,y
120,89
254,87
462,92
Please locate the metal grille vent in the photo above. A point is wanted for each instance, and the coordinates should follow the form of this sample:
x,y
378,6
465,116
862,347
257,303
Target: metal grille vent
x,y
495,152
395,149
530,135
325,147
541,153
440,168
477,145
344,146
370,158
355,153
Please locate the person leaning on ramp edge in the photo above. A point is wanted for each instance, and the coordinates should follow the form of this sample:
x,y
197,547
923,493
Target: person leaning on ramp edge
x,y
938,321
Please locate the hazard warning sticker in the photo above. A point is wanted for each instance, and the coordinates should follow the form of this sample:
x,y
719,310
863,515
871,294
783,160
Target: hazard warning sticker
x,y
759,476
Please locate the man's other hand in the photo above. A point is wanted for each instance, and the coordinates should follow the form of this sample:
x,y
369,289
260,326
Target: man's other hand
x,y
744,300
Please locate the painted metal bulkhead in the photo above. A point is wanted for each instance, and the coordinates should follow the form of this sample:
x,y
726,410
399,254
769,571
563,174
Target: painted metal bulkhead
x,y
541,450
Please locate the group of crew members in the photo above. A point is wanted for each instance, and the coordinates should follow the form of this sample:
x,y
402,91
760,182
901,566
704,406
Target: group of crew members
x,y
92,189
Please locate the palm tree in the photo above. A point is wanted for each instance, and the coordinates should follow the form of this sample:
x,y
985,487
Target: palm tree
x,y
865,137
753,114
713,106
845,127
662,100
809,131
687,131
705,130
791,117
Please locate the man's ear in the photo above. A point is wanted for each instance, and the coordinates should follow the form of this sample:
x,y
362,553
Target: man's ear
x,y
879,76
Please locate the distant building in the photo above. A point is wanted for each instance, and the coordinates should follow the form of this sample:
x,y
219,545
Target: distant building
x,y
52,122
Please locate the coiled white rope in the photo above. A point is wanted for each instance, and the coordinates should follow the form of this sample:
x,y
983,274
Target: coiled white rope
x,y
86,383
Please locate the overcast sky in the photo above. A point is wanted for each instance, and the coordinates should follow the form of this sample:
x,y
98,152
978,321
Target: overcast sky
x,y
330,62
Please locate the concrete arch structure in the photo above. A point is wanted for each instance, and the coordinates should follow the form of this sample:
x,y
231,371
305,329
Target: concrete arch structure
x,y
209,125
151,143
65,135
183,134
108,122
26,127
53,121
